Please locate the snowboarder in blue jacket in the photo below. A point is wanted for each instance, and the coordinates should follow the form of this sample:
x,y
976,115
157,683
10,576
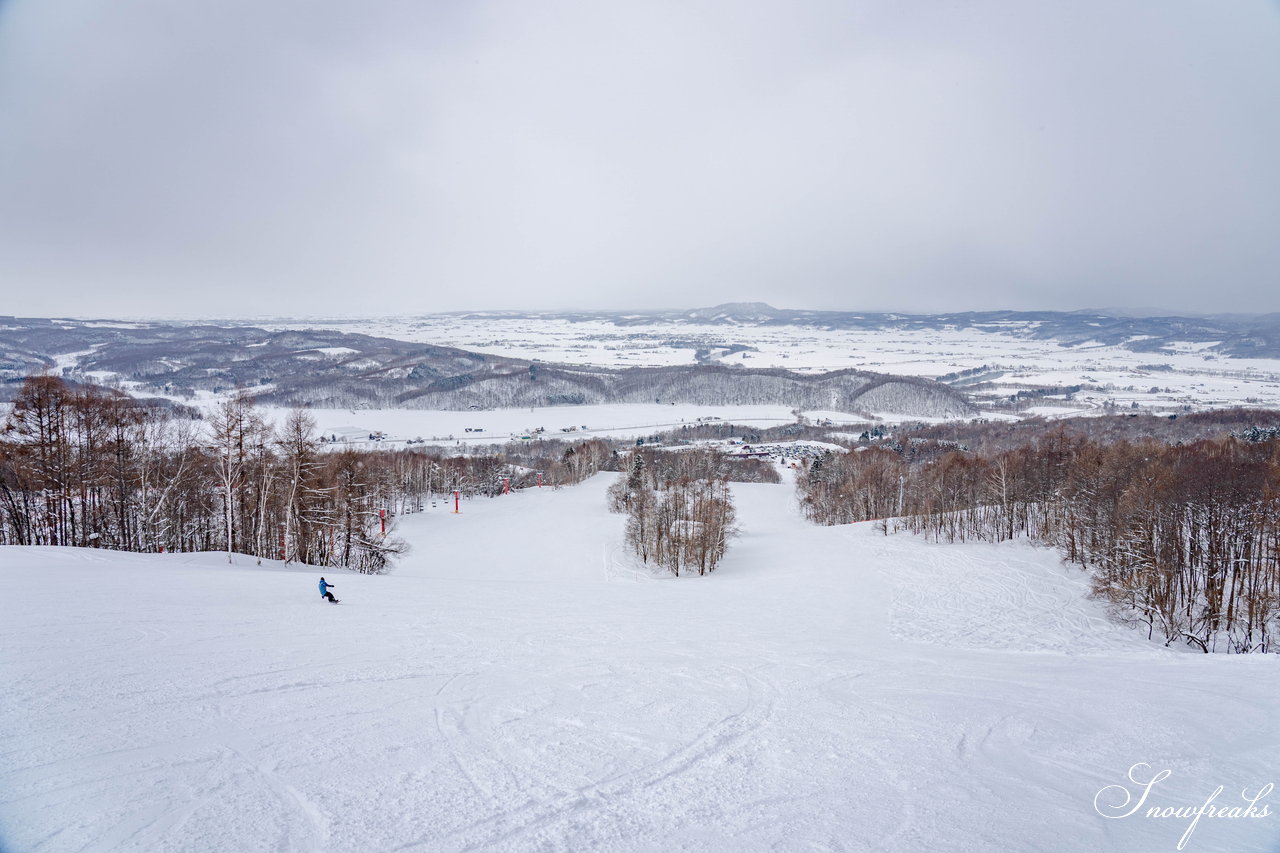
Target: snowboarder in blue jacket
x,y
324,591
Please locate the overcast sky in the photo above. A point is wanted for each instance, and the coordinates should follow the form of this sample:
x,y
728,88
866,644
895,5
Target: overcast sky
x,y
238,158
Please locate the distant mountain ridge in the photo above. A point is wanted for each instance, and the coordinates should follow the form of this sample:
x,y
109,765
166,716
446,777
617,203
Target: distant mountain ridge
x,y
739,312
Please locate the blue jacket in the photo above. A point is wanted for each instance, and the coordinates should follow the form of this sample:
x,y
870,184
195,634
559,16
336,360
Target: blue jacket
x,y
324,587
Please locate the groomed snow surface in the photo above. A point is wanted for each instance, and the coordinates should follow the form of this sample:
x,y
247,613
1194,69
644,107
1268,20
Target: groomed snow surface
x,y
518,684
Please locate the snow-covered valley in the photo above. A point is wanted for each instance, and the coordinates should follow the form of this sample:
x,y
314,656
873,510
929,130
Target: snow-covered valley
x,y
1013,355
1051,366
518,684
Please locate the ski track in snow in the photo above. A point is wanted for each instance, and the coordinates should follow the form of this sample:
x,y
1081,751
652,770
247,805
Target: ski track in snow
x,y
519,683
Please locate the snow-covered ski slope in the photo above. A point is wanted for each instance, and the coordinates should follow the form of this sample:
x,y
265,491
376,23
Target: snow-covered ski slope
x,y
517,685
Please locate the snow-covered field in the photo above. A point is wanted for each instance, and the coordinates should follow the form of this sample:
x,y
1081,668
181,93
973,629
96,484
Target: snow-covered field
x,y
495,426
1185,375
1102,378
517,684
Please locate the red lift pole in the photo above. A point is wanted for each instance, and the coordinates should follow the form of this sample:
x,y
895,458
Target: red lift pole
x,y
457,495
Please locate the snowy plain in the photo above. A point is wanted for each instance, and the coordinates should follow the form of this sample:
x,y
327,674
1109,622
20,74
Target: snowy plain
x,y
471,429
1182,377
519,684
1185,375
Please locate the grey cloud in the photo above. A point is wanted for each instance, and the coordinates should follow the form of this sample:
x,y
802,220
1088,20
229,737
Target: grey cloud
x,y
239,158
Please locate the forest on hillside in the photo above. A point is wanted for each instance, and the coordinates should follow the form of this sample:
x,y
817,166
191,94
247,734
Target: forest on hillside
x,y
87,466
